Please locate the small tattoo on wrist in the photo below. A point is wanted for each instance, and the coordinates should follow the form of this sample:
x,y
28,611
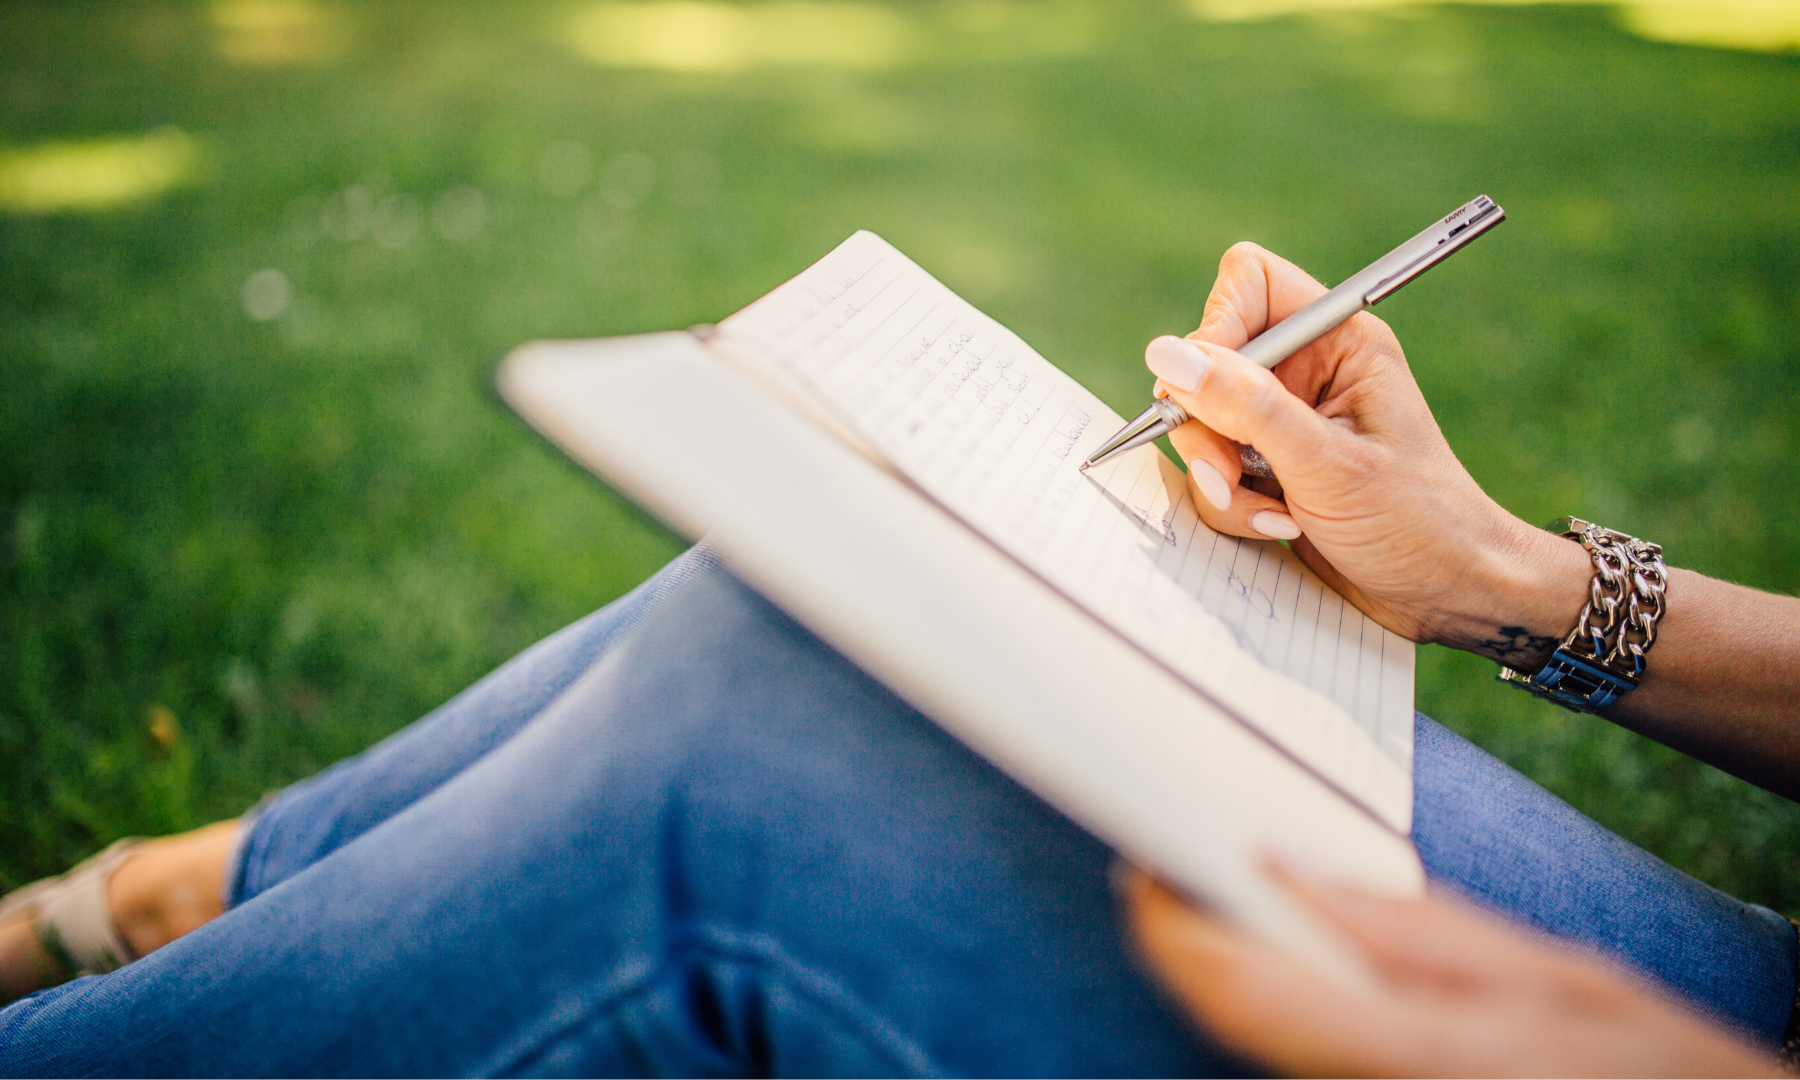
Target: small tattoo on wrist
x,y
1516,646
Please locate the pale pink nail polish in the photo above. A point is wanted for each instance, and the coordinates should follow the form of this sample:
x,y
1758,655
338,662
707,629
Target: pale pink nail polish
x,y
1211,483
1273,523
1177,361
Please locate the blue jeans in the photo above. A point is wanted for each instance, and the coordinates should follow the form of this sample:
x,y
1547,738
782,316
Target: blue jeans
x,y
683,836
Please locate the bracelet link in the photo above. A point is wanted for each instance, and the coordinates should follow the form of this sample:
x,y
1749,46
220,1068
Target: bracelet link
x,y
1604,655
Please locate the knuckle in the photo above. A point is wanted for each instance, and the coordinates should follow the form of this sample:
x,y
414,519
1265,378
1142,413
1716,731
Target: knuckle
x,y
1241,252
1242,261
1218,306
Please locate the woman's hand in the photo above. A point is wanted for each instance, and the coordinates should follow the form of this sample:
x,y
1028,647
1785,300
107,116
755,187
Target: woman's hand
x,y
1369,492
1372,499
1457,992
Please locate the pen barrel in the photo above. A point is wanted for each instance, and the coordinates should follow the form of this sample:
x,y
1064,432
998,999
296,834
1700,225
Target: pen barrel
x,y
1364,289
1374,282
1303,327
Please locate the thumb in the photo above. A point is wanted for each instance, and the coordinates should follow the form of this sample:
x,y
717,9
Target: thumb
x,y
1240,400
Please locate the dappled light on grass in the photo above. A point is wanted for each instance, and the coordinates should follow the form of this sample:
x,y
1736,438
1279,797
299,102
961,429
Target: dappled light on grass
x,y
688,35
1761,25
277,32
96,174
709,36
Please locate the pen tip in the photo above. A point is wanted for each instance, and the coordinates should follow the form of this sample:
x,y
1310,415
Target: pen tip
x,y
1083,467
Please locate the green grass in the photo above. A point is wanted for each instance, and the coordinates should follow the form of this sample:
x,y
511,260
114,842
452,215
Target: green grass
x,y
297,535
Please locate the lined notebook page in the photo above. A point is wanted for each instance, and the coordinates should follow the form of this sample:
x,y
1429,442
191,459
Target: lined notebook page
x,y
993,432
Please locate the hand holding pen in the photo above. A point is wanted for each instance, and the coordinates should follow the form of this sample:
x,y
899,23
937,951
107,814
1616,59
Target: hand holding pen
x,y
1366,487
1364,289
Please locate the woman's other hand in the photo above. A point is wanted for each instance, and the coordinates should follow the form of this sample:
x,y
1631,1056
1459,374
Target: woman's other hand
x,y
1369,493
1456,992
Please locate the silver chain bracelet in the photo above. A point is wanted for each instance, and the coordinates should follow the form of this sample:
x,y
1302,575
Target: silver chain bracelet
x,y
1604,655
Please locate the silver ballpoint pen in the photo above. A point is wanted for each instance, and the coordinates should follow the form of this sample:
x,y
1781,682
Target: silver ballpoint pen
x,y
1364,289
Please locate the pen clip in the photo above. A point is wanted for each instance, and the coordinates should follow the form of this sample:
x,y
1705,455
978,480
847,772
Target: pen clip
x,y
1486,214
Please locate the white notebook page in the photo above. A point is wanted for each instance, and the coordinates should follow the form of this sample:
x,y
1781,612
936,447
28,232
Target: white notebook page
x,y
965,410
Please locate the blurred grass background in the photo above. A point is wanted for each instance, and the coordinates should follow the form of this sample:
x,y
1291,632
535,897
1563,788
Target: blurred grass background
x,y
260,506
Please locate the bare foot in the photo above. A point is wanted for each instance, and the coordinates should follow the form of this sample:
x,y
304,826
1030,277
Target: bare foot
x,y
165,888
171,885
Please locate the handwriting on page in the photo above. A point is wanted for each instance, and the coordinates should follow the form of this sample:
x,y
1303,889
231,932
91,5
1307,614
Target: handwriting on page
x,y
992,431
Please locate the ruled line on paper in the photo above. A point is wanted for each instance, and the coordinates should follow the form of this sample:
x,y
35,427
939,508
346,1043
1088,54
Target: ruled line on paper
x,y
992,431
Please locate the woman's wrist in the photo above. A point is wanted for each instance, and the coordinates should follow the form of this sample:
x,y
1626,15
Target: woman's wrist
x,y
1528,588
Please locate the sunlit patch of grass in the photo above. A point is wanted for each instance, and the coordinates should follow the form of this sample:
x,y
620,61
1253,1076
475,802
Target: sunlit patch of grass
x,y
1759,25
278,32
96,174
712,36
699,35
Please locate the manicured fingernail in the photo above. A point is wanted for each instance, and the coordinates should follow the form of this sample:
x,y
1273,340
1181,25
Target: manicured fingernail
x,y
1211,484
1274,523
1177,361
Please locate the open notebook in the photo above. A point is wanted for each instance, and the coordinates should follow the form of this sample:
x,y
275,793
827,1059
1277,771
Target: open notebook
x,y
899,471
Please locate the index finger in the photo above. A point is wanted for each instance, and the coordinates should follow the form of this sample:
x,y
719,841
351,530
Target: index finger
x,y
1255,289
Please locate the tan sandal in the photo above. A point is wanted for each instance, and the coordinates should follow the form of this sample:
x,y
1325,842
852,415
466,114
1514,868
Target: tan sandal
x,y
70,918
